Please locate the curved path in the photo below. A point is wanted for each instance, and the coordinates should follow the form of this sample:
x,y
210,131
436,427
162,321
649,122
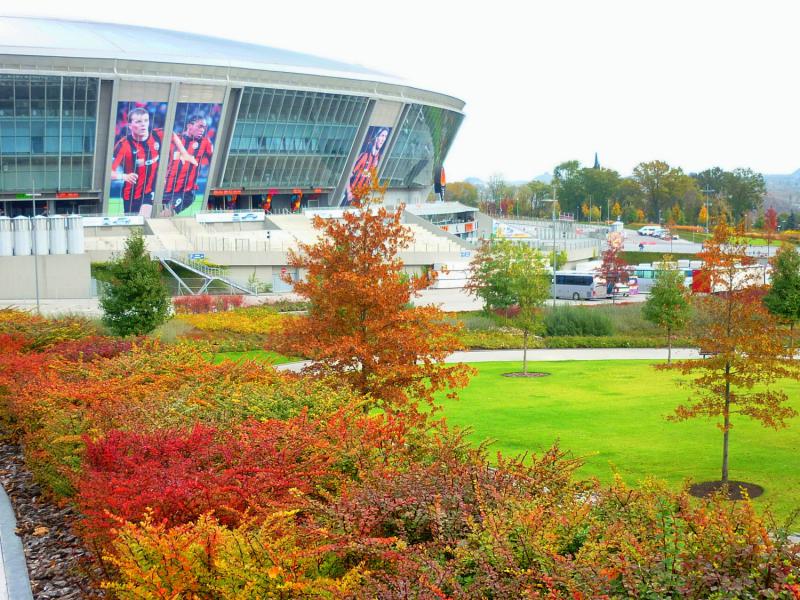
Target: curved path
x,y
14,582
546,354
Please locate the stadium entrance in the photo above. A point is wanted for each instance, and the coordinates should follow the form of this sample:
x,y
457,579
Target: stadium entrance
x,y
277,203
46,204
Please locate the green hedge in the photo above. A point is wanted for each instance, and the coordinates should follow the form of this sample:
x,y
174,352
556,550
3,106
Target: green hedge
x,y
512,340
572,320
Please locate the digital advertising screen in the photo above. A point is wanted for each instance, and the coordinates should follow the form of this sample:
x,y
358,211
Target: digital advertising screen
x,y
368,159
191,149
138,138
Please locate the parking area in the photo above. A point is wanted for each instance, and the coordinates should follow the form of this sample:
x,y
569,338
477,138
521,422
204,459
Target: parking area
x,y
652,244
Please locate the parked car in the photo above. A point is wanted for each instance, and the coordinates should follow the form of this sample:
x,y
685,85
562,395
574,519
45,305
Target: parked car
x,y
648,229
621,290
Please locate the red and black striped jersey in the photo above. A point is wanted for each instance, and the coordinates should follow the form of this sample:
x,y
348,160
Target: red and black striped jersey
x,y
140,157
182,176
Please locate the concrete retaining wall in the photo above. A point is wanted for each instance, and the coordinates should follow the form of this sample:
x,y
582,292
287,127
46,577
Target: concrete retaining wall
x,y
64,276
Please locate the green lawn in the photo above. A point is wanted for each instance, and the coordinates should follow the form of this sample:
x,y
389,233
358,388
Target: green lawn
x,y
265,355
613,415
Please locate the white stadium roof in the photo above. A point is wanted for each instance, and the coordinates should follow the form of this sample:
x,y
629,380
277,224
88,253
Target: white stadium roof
x,y
33,36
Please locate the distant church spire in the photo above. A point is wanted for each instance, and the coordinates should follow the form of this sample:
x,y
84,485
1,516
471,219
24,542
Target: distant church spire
x,y
596,162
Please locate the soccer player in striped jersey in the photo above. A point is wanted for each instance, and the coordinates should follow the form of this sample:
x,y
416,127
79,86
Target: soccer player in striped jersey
x,y
135,162
181,185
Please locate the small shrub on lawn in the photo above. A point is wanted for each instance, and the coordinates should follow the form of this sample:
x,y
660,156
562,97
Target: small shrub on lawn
x,y
569,320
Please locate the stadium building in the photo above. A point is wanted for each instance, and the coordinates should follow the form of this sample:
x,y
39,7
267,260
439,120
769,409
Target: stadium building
x,y
109,120
120,127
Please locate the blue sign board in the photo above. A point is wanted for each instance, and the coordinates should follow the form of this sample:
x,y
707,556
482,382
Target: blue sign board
x,y
197,256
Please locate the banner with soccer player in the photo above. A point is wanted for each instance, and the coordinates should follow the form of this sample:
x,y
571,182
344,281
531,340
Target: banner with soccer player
x,y
138,138
368,159
191,149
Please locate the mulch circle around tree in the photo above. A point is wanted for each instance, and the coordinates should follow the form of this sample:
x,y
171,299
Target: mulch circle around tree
x,y
531,374
736,489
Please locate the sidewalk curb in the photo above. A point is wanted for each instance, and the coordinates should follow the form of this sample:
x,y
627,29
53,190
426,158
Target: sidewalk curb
x,y
14,577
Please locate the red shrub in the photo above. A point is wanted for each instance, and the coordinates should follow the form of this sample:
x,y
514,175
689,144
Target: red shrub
x,y
92,347
205,303
181,474
225,303
16,365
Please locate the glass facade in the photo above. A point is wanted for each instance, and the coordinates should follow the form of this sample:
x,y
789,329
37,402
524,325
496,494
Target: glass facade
x,y
47,132
422,142
288,139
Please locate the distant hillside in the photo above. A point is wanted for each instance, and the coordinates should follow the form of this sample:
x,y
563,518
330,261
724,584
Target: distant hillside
x,y
544,178
783,191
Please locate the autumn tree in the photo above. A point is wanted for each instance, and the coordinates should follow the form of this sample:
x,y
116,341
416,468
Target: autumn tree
x,y
462,191
513,282
770,225
783,297
702,216
662,184
668,304
616,210
569,185
614,269
745,359
360,326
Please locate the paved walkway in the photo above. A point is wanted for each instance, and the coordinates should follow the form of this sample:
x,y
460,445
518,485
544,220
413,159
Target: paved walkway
x,y
14,581
546,355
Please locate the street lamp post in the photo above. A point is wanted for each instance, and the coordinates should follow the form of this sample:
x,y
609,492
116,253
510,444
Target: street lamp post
x,y
707,192
553,201
555,262
34,195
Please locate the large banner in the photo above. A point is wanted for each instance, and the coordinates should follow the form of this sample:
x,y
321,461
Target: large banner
x,y
134,163
368,159
138,140
190,155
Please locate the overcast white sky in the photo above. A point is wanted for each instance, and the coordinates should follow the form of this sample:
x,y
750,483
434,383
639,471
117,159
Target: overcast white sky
x,y
697,84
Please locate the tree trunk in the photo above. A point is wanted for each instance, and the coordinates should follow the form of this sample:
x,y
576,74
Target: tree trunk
x,y
524,352
791,339
726,423
669,345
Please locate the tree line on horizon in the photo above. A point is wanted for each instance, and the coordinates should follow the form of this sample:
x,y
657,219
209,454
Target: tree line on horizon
x,y
655,192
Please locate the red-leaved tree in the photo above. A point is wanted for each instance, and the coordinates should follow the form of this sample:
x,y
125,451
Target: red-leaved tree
x,y
614,269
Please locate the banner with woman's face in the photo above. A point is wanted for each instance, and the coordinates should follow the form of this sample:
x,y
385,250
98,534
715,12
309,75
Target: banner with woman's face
x,y
368,160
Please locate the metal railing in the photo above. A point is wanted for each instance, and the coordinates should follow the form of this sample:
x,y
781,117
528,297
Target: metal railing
x,y
209,273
